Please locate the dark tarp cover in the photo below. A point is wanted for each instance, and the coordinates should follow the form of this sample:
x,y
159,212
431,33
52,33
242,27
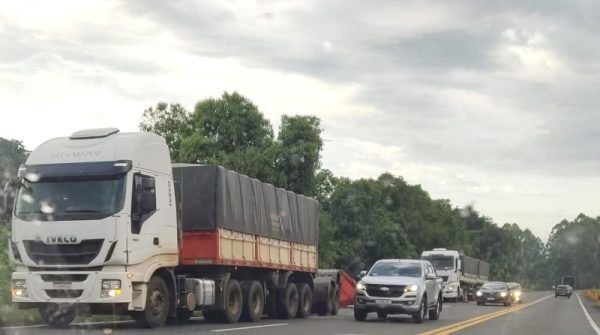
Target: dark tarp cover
x,y
210,196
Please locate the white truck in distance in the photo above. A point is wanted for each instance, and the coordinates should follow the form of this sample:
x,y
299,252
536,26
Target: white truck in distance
x,y
104,224
462,274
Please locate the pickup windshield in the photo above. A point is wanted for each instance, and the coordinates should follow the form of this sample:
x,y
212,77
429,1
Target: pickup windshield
x,y
494,286
441,262
396,269
70,199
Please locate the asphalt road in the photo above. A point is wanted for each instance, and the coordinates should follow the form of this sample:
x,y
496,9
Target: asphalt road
x,y
541,314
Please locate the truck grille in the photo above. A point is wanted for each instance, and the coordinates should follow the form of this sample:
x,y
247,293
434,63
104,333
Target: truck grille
x,y
53,254
392,291
64,294
64,277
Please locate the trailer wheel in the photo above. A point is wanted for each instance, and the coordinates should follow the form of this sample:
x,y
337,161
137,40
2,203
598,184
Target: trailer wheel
x,y
233,302
287,302
335,301
57,316
157,305
254,301
304,301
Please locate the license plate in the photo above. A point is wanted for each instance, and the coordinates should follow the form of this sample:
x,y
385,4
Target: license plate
x,y
63,285
491,299
385,302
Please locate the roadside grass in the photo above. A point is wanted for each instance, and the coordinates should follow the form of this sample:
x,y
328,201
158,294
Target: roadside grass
x,y
10,315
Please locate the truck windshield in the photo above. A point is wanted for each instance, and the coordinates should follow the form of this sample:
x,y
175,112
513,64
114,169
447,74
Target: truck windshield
x,y
441,262
396,269
70,199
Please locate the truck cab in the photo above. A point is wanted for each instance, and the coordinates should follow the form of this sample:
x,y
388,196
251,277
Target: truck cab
x,y
447,264
94,219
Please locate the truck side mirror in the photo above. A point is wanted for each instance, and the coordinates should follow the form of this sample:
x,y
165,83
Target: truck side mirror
x,y
458,265
362,274
430,276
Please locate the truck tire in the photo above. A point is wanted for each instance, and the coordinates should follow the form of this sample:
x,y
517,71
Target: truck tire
x,y
419,315
360,315
305,297
322,295
434,314
57,316
254,301
335,301
233,302
287,302
157,305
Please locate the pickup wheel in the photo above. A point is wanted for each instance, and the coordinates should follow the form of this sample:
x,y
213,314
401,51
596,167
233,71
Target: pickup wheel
x,y
420,315
360,315
287,302
254,301
57,316
157,305
305,300
434,314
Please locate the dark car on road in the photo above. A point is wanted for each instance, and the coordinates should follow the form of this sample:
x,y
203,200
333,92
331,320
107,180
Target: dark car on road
x,y
494,293
515,292
563,290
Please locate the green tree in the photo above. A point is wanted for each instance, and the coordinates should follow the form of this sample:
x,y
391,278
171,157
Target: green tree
x,y
12,155
299,157
171,121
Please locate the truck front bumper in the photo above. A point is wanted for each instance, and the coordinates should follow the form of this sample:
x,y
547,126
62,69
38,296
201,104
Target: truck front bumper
x,y
68,287
402,305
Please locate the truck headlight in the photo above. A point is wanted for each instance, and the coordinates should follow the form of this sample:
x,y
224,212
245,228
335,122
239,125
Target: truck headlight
x,y
19,288
411,288
478,293
503,294
361,286
110,288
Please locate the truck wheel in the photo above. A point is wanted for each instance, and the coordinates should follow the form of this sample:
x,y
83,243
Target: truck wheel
x,y
360,315
157,305
57,316
305,300
434,314
254,301
335,302
233,302
287,302
420,315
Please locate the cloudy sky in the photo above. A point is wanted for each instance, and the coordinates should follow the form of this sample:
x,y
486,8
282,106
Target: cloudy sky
x,y
488,103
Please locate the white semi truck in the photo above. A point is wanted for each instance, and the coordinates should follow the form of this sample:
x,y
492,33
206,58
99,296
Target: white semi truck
x,y
103,223
462,274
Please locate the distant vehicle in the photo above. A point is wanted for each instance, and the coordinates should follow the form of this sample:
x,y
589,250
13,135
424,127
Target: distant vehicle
x,y
569,280
462,274
515,292
563,290
399,286
494,292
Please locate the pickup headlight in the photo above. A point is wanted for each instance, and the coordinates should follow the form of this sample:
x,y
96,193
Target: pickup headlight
x,y
478,293
19,288
361,286
110,288
411,288
517,293
503,294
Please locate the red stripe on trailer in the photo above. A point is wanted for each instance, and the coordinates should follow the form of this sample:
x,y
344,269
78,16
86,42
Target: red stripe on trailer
x,y
202,247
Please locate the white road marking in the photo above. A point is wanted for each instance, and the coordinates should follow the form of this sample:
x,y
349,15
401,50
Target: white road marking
x,y
587,315
19,327
249,327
